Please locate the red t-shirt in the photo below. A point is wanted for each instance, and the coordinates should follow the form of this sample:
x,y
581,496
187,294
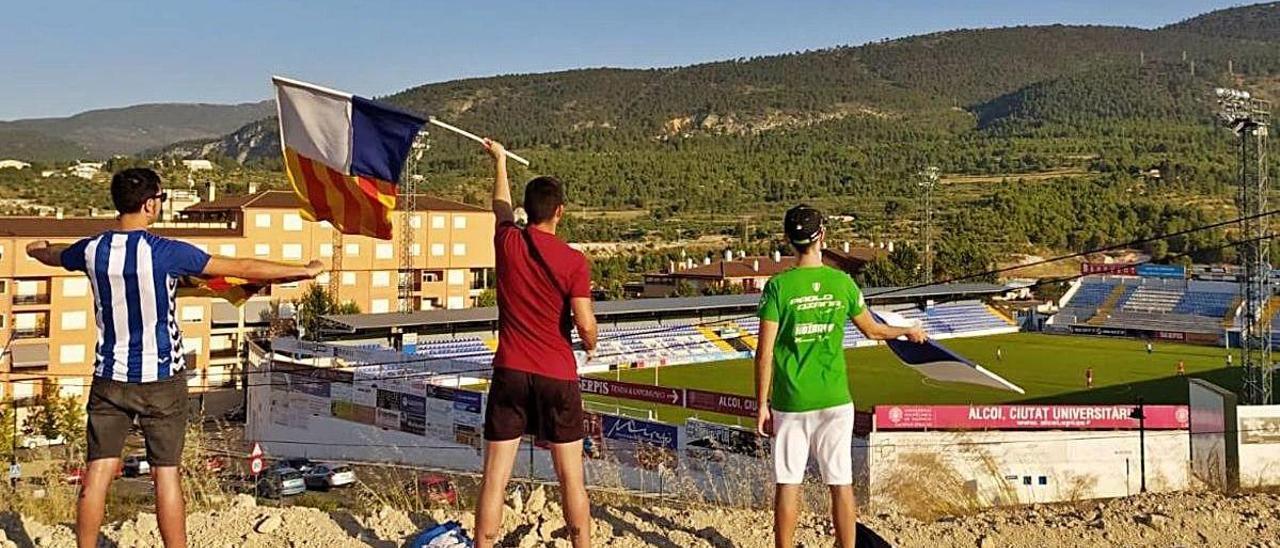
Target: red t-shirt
x,y
533,315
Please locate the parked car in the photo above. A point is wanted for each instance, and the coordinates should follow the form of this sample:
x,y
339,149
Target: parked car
x,y
328,476
136,465
281,482
434,488
296,463
74,474
32,442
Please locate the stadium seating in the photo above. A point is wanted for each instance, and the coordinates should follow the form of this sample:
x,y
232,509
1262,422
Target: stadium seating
x,y
1152,304
687,341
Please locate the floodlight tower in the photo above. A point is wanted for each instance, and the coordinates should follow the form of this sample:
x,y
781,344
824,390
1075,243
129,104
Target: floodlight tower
x,y
928,180
409,197
1249,118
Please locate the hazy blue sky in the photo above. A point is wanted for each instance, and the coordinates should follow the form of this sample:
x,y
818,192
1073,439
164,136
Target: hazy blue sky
x,y
61,57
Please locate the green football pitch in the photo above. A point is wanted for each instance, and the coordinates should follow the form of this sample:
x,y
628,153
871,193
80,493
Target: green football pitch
x,y
1051,368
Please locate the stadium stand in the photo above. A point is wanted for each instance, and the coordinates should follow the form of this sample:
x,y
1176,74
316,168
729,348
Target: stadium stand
x,y
1149,304
685,341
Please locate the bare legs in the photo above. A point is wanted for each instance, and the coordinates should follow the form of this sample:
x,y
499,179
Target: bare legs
x,y
786,510
499,457
170,508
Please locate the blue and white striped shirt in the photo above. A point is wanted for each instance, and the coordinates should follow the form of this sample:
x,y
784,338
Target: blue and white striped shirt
x,y
134,276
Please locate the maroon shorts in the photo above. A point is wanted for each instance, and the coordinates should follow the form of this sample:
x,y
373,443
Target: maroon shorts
x,y
523,403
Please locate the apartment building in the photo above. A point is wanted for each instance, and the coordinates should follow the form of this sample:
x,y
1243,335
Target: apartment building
x,y
47,319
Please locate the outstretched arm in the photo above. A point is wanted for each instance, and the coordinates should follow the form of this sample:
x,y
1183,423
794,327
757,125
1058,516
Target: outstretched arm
x,y
503,211
260,270
46,253
876,331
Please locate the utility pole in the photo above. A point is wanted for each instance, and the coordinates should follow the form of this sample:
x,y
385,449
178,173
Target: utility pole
x,y
1141,414
1249,118
928,180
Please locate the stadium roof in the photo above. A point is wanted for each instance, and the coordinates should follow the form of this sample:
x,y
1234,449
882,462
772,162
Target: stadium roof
x,y
353,323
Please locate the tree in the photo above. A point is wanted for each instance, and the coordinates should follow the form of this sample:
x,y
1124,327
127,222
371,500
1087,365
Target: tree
x,y
315,303
685,289
8,414
488,297
56,416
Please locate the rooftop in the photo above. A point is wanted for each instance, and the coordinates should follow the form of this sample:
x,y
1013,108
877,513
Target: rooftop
x,y
284,199
606,310
81,227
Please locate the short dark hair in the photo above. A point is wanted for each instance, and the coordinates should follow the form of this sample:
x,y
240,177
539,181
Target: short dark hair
x,y
541,198
132,187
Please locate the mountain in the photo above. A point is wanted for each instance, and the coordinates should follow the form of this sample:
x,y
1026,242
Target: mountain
x,y
130,130
1256,22
34,146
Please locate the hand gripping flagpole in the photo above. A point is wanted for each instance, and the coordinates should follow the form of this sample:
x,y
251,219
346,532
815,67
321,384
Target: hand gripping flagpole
x,y
473,137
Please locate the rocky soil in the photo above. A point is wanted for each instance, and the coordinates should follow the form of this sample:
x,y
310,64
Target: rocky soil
x,y
1197,519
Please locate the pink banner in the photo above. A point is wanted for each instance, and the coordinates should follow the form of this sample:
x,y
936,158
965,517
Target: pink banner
x,y
1029,417
632,391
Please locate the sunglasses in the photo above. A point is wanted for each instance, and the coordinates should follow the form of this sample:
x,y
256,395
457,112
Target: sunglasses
x,y
161,196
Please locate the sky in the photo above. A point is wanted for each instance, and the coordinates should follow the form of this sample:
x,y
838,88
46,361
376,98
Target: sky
x,y
63,57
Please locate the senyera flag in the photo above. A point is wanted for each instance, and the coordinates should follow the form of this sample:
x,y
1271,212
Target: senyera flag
x,y
344,155
233,290
938,362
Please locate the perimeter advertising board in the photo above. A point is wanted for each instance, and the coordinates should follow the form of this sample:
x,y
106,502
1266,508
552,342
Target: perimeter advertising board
x,y
1028,417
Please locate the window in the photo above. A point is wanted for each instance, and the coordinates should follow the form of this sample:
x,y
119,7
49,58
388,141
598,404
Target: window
x,y
323,278
415,250
292,222
351,250
262,220
1044,480
457,277
430,303
383,251
459,249
227,250
378,306
289,285
326,250
456,302
291,252
28,287
3,321
192,345
70,388
74,320
459,222
71,353
437,250
202,247
261,250
75,287
415,221
381,278
437,221
4,286
193,313
348,278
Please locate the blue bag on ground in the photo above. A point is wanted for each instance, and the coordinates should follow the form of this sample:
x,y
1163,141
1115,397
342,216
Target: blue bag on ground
x,y
445,535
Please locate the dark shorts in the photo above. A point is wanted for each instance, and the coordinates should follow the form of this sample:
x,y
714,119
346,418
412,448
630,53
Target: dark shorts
x,y
522,403
159,407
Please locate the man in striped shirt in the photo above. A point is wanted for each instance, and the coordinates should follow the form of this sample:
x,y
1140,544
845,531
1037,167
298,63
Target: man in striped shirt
x,y
138,364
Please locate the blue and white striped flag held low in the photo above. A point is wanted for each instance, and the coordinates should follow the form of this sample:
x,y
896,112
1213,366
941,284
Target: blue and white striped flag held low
x,y
938,362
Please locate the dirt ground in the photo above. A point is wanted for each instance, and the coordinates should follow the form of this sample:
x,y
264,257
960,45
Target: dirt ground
x,y
1189,519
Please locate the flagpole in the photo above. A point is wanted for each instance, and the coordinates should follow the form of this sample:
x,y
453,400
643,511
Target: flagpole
x,y
473,137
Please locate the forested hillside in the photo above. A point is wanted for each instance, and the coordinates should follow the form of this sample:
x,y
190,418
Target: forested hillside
x,y
1256,22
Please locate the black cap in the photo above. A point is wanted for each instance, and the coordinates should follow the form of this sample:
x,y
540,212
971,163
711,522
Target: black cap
x,y
802,224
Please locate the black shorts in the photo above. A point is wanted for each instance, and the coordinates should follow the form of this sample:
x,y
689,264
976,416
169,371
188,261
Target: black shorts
x,y
160,408
522,403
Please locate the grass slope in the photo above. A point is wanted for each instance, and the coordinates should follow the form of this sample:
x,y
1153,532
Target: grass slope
x,y
1049,367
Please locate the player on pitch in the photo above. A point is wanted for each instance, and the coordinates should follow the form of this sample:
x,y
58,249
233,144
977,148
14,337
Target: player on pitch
x,y
802,386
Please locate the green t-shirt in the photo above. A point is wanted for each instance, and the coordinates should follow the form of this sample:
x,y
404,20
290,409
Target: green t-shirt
x,y
811,305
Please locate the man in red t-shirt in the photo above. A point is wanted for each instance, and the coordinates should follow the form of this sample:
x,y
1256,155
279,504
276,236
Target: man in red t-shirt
x,y
544,289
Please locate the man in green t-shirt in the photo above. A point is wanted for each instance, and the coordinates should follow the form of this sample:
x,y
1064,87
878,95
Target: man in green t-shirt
x,y
802,385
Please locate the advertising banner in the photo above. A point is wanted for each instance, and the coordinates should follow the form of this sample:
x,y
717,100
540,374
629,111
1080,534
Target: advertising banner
x,y
388,400
728,404
362,393
640,431
1116,269
388,419
467,435
632,391
1029,417
341,391
1259,430
467,401
702,437
593,439
1162,271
